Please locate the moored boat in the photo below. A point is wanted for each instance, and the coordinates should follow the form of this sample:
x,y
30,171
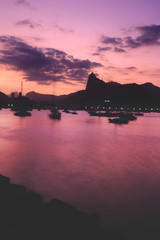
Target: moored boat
x,y
127,116
55,114
138,114
66,111
23,113
118,120
98,114
103,114
74,113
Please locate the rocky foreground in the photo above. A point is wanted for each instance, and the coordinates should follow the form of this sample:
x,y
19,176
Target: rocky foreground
x,y
24,215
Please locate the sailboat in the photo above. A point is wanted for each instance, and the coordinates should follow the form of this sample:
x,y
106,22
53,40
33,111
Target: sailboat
x,y
55,114
22,111
74,113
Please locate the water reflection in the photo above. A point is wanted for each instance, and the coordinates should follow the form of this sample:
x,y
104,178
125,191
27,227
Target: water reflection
x,y
90,163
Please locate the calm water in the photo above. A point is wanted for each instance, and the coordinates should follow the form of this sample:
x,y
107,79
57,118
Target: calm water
x,y
89,163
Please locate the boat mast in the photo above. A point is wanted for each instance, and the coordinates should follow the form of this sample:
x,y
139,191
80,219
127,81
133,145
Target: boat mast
x,y
54,101
21,86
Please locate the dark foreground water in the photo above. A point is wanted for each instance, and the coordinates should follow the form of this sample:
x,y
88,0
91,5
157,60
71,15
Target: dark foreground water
x,y
94,165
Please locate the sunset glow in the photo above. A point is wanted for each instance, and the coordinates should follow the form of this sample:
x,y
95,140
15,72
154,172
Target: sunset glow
x,y
56,44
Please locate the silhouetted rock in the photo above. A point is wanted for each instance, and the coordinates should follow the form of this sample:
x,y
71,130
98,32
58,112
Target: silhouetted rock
x,y
116,235
45,98
4,99
23,215
130,94
95,85
97,91
4,180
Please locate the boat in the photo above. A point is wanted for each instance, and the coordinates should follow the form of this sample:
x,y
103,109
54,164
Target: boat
x,y
118,120
74,113
98,114
23,113
112,114
55,114
66,111
138,114
15,109
92,113
127,116
103,114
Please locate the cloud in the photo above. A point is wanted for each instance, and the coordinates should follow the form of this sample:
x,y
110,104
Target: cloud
x,y
37,38
111,67
28,22
41,77
59,28
24,3
147,36
111,40
150,36
43,65
131,68
131,43
96,54
102,49
122,71
119,50
25,22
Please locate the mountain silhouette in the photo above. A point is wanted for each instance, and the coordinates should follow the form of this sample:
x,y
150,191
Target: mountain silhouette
x,y
44,98
4,99
129,94
97,92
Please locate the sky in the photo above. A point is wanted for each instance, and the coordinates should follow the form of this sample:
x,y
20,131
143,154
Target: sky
x,y
52,46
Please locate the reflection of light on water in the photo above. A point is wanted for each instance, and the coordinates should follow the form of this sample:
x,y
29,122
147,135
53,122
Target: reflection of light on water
x,y
86,161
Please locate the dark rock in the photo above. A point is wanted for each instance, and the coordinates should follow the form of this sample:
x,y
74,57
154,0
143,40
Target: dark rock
x,y
4,180
116,235
23,215
97,91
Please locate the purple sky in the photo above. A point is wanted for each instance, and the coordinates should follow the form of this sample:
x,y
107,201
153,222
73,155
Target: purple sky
x,y
63,41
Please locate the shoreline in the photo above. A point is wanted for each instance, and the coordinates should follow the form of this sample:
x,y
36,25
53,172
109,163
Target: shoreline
x,y
24,215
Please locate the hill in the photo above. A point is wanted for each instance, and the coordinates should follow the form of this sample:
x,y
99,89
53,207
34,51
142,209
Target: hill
x,y
45,98
97,91
4,99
